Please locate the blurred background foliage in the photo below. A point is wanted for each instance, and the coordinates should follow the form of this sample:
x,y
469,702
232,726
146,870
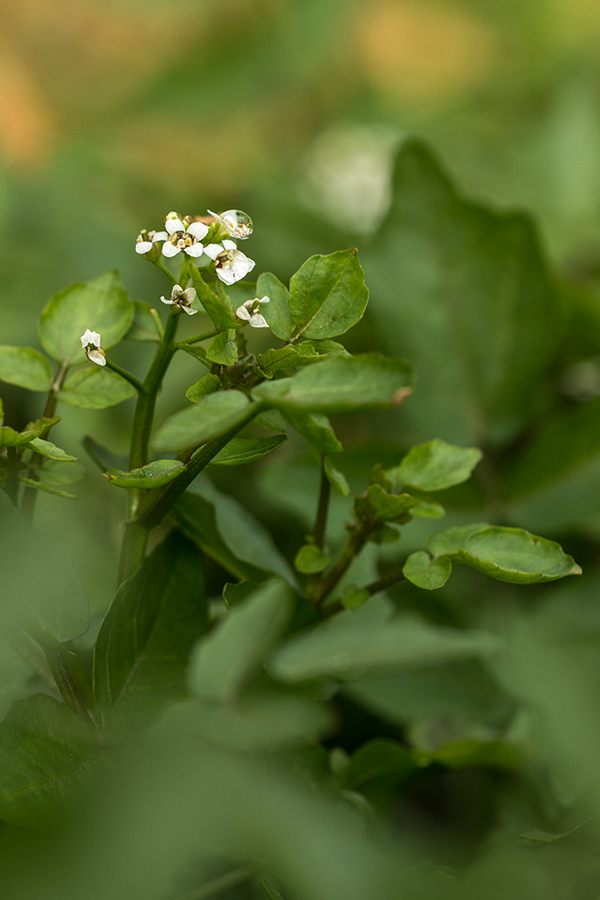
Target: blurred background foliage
x,y
113,113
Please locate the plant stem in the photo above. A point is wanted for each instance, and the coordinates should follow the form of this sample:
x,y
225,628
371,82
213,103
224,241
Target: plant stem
x,y
126,375
30,494
323,507
354,545
382,583
164,270
12,474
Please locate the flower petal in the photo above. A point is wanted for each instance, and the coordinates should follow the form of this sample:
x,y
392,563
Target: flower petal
x,y
229,245
189,310
195,250
143,246
258,321
242,312
173,223
96,357
170,249
198,230
213,250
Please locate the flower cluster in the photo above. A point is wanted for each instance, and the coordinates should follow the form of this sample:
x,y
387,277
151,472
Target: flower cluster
x,y
184,234
249,312
182,299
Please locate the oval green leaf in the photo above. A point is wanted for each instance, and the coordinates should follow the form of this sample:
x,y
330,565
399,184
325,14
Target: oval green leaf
x,y
515,555
95,388
240,451
435,466
328,294
26,368
212,416
154,475
277,310
102,305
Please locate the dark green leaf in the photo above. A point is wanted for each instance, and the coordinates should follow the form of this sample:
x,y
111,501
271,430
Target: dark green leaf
x,y
240,451
336,478
316,430
224,660
380,758
145,640
464,292
146,325
342,384
424,572
102,305
328,294
449,542
287,358
212,416
277,310
311,560
104,459
380,506
46,488
223,349
94,387
46,751
208,384
215,307
153,475
25,367
514,555
50,450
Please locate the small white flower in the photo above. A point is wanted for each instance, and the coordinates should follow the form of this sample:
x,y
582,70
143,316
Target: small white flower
x,y
248,311
182,299
90,341
183,234
235,222
231,264
146,240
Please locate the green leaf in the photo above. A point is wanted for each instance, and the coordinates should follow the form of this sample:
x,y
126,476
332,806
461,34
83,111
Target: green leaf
x,y
310,559
277,310
11,438
336,478
58,471
102,305
146,326
380,758
228,657
275,360
316,430
380,506
424,572
428,509
208,384
94,387
328,294
103,458
153,475
145,640
223,349
211,417
354,598
450,542
230,534
342,385
50,450
46,751
272,420
514,555
351,645
474,754
215,307
465,293
25,367
434,466
240,451
46,488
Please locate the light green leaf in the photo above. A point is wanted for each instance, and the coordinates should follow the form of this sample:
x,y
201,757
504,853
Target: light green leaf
x,y
380,506
153,475
145,640
350,645
336,478
328,294
225,660
11,438
310,559
102,305
434,466
208,384
465,293
449,542
46,751
94,387
316,430
424,572
223,349
342,384
211,417
146,326
272,420
428,509
277,310
215,307
514,555
46,488
50,450
275,360
25,367
353,597
240,451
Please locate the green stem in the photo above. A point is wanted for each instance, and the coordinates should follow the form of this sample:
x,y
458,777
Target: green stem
x,y
126,375
323,507
382,583
133,549
12,474
353,546
154,515
30,494
164,270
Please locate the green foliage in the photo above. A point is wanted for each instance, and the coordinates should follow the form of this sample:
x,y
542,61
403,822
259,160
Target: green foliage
x,y
211,416
424,572
95,388
26,368
155,474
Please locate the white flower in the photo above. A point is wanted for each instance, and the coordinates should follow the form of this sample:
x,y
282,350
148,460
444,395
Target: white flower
x,y
182,299
231,264
146,240
235,222
90,341
248,311
183,234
